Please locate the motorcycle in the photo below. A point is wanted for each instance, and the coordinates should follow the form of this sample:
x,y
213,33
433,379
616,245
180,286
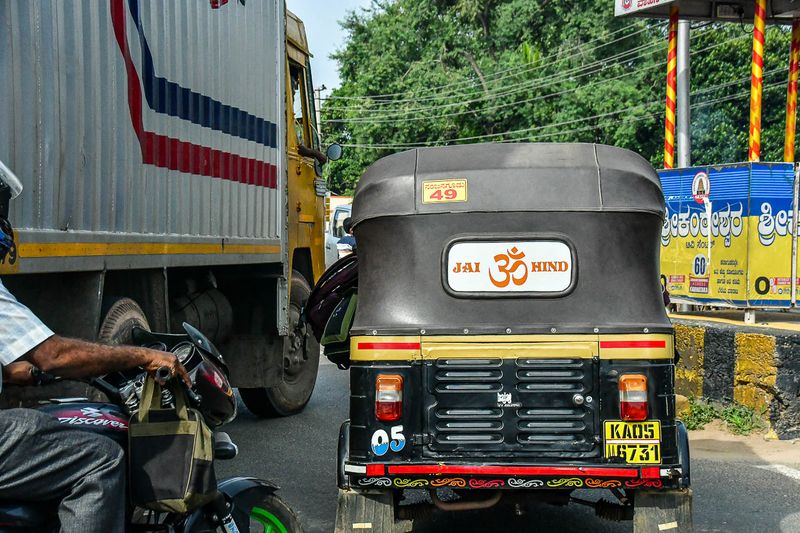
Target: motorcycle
x,y
242,504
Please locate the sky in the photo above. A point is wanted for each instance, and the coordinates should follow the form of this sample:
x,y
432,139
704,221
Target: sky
x,y
321,18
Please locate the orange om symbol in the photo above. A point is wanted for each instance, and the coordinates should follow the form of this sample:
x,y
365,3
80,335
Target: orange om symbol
x,y
509,269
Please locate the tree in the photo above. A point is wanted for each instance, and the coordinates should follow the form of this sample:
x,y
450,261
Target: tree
x,y
433,72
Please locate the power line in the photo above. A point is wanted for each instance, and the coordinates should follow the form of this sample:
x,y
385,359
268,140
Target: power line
x,y
524,68
698,105
383,119
532,84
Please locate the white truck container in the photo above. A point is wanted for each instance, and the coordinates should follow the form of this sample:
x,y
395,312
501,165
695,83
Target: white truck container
x,y
160,145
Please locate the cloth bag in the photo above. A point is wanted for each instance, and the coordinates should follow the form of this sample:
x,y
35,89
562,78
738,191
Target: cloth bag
x,y
170,454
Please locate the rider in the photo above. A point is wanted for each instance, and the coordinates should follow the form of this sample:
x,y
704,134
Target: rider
x,y
40,459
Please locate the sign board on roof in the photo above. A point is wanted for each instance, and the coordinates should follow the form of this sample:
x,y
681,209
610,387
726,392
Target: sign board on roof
x,y
626,7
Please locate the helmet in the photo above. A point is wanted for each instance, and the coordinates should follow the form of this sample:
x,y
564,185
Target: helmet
x,y
10,188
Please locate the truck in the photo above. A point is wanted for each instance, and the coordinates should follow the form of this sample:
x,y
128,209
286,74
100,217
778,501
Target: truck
x,y
171,174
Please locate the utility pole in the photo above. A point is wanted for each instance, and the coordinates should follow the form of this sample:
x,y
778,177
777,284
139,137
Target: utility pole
x,y
684,136
318,109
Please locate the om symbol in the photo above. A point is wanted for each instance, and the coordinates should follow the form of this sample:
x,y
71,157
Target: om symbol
x,y
516,271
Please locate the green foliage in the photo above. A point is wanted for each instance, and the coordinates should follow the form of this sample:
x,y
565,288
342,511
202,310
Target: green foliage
x,y
699,414
433,72
738,419
741,420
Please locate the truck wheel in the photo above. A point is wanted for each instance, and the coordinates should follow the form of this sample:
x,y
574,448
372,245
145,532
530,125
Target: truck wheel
x,y
662,510
359,512
300,364
119,319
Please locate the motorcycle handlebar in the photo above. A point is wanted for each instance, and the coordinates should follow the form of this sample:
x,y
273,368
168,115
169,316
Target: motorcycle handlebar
x,y
164,374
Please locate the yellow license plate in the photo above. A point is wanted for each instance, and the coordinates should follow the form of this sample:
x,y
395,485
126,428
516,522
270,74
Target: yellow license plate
x,y
633,442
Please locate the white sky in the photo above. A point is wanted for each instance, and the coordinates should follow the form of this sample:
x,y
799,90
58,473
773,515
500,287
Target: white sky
x,y
325,36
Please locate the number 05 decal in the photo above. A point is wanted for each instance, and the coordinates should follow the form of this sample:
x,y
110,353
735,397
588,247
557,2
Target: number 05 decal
x,y
381,443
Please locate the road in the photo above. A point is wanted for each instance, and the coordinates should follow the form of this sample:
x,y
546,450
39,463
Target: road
x,y
735,490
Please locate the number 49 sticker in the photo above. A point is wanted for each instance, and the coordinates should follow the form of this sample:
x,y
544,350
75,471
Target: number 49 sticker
x,y
440,191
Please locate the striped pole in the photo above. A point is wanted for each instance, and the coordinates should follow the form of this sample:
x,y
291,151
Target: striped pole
x,y
791,93
672,87
756,80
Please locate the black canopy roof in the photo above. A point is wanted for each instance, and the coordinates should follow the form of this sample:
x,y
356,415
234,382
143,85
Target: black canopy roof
x,y
605,203
512,177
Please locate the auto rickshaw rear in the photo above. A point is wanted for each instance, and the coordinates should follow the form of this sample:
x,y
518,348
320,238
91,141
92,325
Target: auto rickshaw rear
x,y
510,341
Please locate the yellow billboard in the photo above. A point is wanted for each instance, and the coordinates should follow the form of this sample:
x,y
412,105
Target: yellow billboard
x,y
727,237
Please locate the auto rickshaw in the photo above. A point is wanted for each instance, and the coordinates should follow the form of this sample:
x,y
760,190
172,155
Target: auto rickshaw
x,y
506,338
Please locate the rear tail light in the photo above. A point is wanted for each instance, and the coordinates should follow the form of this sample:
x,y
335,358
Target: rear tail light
x,y
633,397
388,397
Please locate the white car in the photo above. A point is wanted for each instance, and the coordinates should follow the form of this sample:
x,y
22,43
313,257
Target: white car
x,y
335,232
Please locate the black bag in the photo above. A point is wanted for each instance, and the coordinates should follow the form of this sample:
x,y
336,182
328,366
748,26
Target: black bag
x,y
170,453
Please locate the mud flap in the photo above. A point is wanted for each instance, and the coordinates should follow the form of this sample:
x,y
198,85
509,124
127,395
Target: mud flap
x,y
364,513
663,511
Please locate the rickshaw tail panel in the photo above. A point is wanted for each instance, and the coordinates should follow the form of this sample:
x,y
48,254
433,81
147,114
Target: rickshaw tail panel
x,y
410,348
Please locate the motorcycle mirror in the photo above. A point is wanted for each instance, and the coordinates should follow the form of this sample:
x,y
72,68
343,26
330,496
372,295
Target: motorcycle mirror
x,y
202,341
334,152
10,180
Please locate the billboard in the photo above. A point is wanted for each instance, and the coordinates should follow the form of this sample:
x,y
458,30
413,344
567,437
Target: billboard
x,y
728,235
626,7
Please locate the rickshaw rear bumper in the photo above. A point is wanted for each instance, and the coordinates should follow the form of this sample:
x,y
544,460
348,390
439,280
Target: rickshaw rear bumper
x,y
512,476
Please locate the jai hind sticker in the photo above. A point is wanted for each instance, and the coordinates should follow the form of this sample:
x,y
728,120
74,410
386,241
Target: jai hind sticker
x,y
515,266
440,191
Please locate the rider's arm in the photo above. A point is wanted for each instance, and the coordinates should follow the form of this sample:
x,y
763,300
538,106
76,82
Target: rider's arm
x,y
73,358
18,373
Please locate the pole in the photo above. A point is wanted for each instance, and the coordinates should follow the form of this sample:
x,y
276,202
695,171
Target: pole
x,y
672,79
791,94
756,80
317,108
683,115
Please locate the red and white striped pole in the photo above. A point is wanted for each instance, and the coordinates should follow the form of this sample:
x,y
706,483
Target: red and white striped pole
x,y
756,80
672,89
791,93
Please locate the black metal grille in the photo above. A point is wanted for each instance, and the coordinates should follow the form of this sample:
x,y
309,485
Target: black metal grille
x,y
504,406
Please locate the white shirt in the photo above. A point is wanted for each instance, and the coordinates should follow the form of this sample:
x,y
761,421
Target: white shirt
x,y
20,330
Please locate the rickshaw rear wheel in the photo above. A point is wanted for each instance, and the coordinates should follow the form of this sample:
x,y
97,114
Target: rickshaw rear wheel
x,y
300,363
662,510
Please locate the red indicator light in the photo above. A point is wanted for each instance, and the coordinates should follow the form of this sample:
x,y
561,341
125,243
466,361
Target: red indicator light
x,y
388,397
633,397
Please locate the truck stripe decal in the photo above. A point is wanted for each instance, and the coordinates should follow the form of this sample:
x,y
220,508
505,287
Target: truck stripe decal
x,y
167,97
174,154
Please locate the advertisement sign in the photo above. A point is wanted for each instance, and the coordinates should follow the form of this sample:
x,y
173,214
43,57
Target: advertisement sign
x,y
727,236
626,7
540,266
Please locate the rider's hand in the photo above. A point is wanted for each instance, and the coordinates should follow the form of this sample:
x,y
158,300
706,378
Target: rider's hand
x,y
160,359
18,373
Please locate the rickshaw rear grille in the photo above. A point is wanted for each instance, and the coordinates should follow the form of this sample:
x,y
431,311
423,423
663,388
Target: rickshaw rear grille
x,y
469,408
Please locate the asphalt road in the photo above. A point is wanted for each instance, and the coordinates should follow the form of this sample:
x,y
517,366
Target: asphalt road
x,y
744,494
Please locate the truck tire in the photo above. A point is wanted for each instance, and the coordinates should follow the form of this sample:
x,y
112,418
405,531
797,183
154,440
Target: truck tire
x,y
291,395
120,317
